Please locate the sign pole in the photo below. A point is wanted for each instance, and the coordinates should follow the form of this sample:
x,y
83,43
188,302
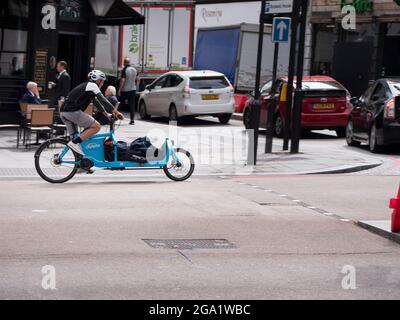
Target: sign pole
x,y
272,104
256,108
296,132
289,93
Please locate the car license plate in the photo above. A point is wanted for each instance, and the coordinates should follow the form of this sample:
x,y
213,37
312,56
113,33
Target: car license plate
x,y
209,96
324,106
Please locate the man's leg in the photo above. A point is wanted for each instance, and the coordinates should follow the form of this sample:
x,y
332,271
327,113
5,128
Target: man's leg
x,y
91,131
123,99
82,120
132,102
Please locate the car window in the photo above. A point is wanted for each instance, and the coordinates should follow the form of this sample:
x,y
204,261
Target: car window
x,y
217,82
277,87
159,83
266,89
365,96
380,91
394,87
320,85
173,81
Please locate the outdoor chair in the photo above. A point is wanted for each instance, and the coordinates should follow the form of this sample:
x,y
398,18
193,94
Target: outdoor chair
x,y
41,122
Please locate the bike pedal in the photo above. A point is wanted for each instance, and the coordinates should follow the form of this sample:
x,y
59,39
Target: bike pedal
x,y
89,171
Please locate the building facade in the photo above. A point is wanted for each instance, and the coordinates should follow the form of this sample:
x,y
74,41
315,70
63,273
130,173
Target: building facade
x,y
35,34
355,56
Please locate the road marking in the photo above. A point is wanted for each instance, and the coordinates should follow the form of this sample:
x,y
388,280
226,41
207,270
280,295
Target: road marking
x,y
39,211
299,202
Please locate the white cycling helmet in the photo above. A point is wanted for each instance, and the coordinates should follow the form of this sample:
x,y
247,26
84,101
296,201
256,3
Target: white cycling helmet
x,y
95,75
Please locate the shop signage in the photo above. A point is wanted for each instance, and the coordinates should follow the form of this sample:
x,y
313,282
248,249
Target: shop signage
x,y
39,75
49,17
361,6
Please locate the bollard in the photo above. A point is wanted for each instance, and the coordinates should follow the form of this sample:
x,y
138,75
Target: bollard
x,y
254,125
395,205
269,135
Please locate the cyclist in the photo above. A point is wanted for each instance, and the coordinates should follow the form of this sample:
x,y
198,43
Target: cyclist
x,y
72,112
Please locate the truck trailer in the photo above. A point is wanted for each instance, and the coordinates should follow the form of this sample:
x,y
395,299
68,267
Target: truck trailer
x,y
232,50
163,43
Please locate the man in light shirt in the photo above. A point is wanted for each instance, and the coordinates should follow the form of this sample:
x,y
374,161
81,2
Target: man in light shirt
x,y
127,87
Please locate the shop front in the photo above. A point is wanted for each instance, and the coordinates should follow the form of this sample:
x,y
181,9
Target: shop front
x,y
35,34
356,56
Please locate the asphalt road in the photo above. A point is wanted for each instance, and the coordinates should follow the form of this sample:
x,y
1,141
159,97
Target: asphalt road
x,y
292,237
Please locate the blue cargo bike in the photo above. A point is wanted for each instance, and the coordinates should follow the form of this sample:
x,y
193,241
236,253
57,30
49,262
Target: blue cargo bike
x,y
55,162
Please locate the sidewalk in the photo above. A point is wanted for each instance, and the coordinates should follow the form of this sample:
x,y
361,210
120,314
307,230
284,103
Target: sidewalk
x,y
329,155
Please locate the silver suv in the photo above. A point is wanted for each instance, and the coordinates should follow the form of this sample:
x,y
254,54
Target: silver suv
x,y
188,93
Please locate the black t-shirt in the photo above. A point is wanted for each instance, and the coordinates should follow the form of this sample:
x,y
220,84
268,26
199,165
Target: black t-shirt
x,y
81,96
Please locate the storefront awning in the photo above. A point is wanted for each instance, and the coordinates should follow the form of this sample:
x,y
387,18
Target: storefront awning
x,y
120,14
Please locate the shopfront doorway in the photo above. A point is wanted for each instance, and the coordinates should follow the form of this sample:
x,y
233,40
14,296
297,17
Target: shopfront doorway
x,y
352,64
391,57
73,49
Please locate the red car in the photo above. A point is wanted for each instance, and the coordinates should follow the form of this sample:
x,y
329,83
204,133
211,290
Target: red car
x,y
326,105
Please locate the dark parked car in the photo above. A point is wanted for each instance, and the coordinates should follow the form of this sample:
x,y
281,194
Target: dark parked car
x,y
375,118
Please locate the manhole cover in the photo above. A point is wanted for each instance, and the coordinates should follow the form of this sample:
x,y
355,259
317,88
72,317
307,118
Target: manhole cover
x,y
189,244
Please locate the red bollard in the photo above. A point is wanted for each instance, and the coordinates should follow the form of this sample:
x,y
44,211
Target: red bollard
x,y
395,205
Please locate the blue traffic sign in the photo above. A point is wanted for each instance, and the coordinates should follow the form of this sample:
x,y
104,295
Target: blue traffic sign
x,y
281,29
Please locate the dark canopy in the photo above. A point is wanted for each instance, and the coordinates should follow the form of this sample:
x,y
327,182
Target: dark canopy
x,y
120,14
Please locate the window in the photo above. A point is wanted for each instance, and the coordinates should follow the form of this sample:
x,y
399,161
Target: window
x,y
173,81
266,89
325,36
208,83
380,92
395,87
13,49
158,84
14,8
366,94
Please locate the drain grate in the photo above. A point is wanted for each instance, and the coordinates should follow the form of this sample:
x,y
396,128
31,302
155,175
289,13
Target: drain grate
x,y
189,244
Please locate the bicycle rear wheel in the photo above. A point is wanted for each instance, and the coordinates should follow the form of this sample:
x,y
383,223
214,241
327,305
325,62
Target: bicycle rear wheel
x,y
50,167
182,169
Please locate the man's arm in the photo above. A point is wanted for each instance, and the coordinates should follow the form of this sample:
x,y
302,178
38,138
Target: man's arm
x,y
103,104
121,85
122,81
101,101
66,84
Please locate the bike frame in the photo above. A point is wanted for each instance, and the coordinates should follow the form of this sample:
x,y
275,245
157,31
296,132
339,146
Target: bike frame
x,y
93,150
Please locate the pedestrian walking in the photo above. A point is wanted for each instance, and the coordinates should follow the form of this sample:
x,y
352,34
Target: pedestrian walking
x,y
127,88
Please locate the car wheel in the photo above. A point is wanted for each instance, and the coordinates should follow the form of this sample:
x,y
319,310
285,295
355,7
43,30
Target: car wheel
x,y
224,119
373,141
279,126
247,118
143,112
350,135
173,113
341,133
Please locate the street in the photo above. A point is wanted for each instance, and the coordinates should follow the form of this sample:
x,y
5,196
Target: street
x,y
289,236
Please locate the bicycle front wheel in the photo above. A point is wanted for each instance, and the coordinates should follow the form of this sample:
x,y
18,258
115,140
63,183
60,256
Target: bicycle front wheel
x,y
183,168
55,162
